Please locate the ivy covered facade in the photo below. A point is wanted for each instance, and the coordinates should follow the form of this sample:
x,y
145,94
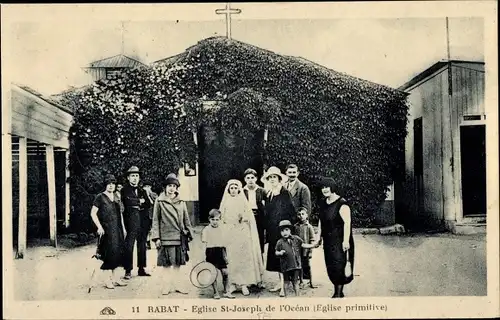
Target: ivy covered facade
x,y
215,103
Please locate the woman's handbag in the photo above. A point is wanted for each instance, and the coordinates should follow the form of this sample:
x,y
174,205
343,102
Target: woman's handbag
x,y
99,250
348,267
185,239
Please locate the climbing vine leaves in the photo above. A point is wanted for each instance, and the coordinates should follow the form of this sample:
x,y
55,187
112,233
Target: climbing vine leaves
x,y
326,122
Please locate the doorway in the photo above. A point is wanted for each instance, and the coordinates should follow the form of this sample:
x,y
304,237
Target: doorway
x,y
418,164
473,167
224,156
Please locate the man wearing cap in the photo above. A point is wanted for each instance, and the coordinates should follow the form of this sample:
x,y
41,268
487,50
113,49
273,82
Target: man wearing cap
x,y
136,212
301,195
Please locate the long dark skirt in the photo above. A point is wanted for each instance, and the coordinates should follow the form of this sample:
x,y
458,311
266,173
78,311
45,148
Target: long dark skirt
x,y
111,248
336,260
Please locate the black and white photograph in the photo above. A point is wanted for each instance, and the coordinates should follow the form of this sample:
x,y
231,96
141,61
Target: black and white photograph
x,y
250,160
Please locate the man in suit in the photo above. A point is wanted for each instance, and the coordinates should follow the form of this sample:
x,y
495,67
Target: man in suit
x,y
301,195
135,215
255,196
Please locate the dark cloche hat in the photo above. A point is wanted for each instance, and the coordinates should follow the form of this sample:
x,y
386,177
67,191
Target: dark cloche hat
x,y
109,178
171,179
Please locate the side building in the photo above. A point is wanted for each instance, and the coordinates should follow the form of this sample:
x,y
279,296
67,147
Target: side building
x,y
444,185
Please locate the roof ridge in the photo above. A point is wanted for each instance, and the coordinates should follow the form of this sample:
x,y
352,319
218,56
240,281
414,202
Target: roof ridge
x,y
116,55
132,59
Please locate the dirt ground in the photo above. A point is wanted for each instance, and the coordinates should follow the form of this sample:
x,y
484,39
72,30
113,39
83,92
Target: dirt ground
x,y
409,265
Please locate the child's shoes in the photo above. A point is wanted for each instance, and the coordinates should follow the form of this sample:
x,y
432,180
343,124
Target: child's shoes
x,y
245,291
229,295
275,289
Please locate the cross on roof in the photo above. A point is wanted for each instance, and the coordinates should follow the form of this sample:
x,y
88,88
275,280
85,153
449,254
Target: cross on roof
x,y
228,12
123,35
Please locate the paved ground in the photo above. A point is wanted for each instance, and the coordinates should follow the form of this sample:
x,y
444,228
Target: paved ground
x,y
411,265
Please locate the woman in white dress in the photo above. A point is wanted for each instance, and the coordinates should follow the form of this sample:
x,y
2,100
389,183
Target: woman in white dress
x,y
245,265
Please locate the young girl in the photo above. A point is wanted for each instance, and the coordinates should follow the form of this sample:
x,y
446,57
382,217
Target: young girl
x,y
215,239
306,232
288,248
246,267
171,227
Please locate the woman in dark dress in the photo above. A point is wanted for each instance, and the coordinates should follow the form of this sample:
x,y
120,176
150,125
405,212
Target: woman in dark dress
x,y
107,216
278,207
336,232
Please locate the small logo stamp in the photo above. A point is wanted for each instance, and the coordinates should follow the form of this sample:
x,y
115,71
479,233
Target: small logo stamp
x,y
108,311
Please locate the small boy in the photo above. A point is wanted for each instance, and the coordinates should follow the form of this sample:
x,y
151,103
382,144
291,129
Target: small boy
x,y
305,231
213,236
288,248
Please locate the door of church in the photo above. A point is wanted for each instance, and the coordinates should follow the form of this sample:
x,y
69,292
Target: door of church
x,y
223,157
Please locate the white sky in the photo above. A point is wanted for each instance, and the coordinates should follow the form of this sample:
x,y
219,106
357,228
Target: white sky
x,y
48,47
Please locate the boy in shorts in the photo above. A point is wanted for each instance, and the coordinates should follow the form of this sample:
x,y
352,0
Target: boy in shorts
x,y
214,238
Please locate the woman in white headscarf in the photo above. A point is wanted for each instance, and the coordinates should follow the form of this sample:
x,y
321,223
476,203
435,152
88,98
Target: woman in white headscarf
x,y
245,265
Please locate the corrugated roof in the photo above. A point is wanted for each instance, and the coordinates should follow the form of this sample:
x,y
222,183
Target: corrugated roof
x,y
431,70
118,61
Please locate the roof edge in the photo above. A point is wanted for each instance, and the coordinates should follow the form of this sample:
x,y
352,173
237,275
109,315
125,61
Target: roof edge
x,y
431,70
40,96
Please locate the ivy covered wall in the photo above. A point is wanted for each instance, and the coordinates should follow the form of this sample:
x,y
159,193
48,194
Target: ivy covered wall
x,y
326,122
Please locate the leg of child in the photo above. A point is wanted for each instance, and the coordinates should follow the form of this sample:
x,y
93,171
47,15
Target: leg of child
x,y
301,279
215,286
225,283
286,284
296,277
282,284
295,287
306,263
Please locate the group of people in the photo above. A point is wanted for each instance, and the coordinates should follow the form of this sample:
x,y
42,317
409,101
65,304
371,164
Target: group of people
x,y
248,218
123,216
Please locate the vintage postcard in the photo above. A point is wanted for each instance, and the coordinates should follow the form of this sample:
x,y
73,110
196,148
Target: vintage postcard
x,y
250,160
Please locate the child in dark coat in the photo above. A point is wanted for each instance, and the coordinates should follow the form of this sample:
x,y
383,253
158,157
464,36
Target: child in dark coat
x,y
288,248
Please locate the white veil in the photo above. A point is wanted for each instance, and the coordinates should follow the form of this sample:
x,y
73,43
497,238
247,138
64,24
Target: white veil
x,y
234,208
